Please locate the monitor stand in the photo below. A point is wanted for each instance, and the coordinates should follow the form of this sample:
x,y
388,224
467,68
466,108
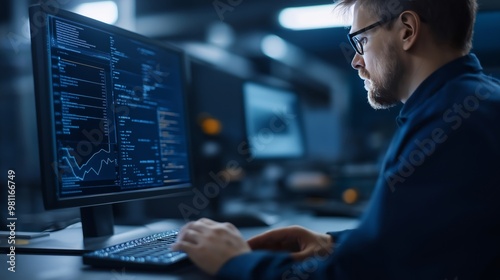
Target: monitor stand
x,y
97,221
95,232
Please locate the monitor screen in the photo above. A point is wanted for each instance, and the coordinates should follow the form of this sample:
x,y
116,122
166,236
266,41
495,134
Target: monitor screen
x,y
111,112
272,122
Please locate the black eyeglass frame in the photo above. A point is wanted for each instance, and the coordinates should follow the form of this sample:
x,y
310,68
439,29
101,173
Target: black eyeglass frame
x,y
353,40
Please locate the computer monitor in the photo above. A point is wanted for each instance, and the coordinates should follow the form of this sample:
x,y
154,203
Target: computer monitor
x,y
111,116
273,126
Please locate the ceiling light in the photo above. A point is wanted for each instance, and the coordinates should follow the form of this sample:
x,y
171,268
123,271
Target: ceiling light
x,y
313,17
105,11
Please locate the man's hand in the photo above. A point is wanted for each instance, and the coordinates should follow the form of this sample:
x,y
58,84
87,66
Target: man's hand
x,y
301,242
210,244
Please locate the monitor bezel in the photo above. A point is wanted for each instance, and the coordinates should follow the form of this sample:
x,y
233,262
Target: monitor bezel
x,y
44,107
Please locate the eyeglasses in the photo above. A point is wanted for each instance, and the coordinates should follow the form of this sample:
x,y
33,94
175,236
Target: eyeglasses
x,y
356,43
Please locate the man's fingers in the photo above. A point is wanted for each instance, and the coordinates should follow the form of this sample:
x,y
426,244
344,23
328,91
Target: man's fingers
x,y
300,256
193,232
272,237
201,225
183,246
187,239
230,226
305,253
206,221
265,237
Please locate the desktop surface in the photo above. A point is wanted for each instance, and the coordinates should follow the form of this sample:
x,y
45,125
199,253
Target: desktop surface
x,y
43,267
48,266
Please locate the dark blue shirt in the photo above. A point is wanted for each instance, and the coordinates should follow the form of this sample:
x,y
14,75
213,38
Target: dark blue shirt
x,y
435,212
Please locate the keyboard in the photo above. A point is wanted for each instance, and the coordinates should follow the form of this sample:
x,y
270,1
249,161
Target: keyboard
x,y
151,252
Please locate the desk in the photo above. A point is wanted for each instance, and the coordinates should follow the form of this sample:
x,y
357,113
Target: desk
x,y
52,267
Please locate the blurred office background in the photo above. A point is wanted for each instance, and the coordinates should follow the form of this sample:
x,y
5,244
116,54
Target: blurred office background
x,y
229,42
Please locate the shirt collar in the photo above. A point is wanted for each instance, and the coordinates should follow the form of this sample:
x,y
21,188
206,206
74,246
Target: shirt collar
x,y
464,64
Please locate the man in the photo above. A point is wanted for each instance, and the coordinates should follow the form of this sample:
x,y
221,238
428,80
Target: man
x,y
435,210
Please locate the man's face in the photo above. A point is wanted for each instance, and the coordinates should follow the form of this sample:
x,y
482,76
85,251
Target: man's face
x,y
379,66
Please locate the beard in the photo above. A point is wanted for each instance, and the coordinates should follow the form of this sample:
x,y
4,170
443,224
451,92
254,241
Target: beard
x,y
383,86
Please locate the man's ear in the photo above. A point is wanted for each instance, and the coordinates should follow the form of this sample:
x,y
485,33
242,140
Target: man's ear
x,y
410,29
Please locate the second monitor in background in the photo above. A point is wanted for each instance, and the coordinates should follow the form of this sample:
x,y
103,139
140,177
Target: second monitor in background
x,y
273,140
272,122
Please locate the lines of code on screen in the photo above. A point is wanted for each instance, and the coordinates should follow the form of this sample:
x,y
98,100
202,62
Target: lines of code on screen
x,y
118,111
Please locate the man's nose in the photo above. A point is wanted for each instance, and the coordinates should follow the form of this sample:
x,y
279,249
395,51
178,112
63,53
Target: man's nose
x,y
358,61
